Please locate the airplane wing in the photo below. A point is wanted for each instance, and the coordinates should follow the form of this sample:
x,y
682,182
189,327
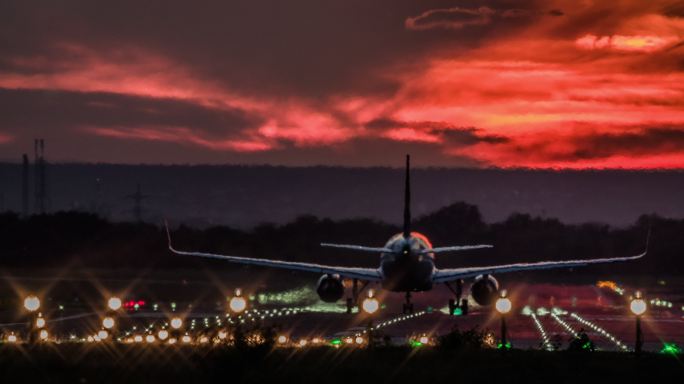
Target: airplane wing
x,y
445,275
366,274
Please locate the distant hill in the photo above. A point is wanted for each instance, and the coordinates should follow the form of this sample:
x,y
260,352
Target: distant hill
x,y
244,196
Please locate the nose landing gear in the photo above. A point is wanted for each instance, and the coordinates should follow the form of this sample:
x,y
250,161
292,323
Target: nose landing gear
x,y
408,305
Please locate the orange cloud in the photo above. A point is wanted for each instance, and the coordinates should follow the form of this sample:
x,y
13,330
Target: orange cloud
x,y
627,43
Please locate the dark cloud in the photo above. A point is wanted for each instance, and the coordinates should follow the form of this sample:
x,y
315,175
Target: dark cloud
x,y
36,111
648,141
450,18
447,133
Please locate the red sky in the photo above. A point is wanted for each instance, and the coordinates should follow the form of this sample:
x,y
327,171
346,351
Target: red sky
x,y
543,84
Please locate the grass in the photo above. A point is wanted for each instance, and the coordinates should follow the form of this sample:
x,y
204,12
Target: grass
x,y
146,364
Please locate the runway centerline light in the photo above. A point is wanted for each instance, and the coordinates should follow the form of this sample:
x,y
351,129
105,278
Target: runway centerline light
x,y
114,303
12,338
282,339
103,334
108,322
32,303
43,335
150,339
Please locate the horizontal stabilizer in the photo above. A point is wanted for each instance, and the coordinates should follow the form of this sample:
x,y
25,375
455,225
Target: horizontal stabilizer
x,y
457,248
360,248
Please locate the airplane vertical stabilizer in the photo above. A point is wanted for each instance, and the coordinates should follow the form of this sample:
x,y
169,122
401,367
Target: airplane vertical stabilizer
x,y
407,200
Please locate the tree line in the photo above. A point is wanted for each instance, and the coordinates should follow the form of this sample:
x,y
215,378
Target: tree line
x,y
86,240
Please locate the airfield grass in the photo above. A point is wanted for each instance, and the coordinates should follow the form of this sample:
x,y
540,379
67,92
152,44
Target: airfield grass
x,y
149,364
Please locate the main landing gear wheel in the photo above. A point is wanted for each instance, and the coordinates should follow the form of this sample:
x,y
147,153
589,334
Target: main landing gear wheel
x,y
408,305
354,300
350,304
457,306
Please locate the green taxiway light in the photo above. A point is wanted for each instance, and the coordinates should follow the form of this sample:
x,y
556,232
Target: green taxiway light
x,y
336,341
671,348
429,310
458,312
416,343
507,346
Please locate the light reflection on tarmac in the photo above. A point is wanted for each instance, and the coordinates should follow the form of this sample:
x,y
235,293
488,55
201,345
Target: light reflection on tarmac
x,y
201,298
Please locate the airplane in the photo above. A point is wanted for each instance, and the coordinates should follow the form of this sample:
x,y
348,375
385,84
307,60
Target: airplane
x,y
407,264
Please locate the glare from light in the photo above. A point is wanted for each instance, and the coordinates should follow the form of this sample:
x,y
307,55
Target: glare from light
x,y
282,339
638,307
370,305
40,322
203,340
424,339
150,339
102,334
114,303
503,305
12,338
303,343
359,340
222,335
43,335
108,322
32,303
163,334
176,323
238,304
138,339
348,340
186,339
172,341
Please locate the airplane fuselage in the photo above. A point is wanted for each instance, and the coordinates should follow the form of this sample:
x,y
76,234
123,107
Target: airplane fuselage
x,y
409,267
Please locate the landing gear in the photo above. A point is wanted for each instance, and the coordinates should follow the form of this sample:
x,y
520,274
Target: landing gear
x,y
354,300
408,305
458,306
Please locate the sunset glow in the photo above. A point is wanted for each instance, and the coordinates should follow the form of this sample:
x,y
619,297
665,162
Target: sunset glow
x,y
548,85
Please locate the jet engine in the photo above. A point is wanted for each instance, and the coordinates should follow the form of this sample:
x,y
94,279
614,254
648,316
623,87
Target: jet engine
x,y
484,290
330,288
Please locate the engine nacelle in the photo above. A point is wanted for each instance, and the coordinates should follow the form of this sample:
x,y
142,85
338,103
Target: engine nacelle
x,y
330,288
485,290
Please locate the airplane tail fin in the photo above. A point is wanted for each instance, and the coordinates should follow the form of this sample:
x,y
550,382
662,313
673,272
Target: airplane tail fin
x,y
407,199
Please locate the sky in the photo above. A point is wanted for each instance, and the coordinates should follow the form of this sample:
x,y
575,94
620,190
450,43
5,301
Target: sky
x,y
541,84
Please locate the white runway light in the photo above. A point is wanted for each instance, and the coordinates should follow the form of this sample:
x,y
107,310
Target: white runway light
x,y
114,303
32,303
